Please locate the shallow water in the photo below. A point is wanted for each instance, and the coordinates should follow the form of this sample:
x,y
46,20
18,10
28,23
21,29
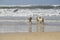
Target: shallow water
x,y
23,26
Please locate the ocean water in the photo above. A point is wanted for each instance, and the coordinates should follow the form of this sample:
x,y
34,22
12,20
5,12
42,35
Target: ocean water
x,y
15,19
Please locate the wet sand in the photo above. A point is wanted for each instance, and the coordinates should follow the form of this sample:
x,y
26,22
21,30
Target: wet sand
x,y
31,36
8,26
12,31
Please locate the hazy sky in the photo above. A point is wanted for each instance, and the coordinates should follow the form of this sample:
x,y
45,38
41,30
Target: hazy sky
x,y
22,2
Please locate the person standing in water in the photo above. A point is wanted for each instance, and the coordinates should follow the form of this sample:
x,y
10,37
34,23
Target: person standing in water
x,y
30,21
40,19
40,23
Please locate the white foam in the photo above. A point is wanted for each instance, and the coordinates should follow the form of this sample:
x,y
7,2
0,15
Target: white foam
x,y
29,12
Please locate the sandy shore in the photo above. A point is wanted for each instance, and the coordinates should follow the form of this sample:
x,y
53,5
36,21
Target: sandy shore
x,y
31,36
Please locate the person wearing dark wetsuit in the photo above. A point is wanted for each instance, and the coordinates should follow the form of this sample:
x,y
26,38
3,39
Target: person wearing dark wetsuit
x,y
30,18
29,21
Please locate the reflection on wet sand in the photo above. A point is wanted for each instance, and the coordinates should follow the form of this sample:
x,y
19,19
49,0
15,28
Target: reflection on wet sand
x,y
40,23
40,27
25,26
29,27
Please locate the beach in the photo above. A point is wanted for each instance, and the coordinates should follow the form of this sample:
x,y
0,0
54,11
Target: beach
x,y
31,36
14,23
